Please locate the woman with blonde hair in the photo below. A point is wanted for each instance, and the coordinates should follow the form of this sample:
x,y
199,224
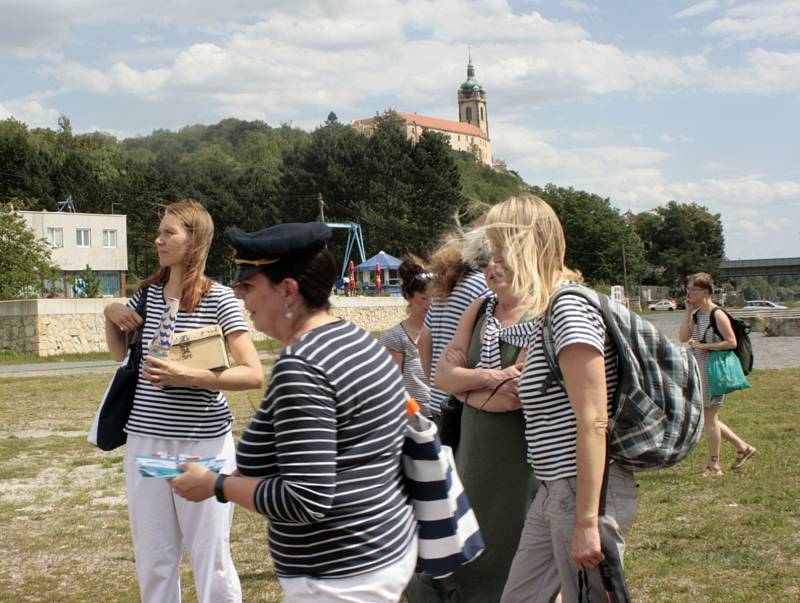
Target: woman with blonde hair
x,y
182,411
565,428
481,368
697,328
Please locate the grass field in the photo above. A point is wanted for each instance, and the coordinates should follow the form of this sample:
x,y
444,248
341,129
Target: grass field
x,y
65,535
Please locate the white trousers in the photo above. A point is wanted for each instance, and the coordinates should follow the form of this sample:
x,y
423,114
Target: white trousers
x,y
385,585
162,523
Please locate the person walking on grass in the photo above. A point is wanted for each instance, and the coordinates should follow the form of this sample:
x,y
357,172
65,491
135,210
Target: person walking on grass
x,y
698,331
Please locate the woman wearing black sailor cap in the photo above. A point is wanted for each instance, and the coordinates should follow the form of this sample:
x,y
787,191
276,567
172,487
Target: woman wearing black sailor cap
x,y
321,458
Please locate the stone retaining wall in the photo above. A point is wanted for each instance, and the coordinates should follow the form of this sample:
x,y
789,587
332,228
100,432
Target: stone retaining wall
x,y
49,327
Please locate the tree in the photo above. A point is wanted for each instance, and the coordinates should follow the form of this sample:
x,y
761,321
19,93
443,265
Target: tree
x,y
600,243
681,239
89,283
25,264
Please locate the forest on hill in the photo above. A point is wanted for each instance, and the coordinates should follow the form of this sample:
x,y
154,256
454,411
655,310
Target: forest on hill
x,y
405,195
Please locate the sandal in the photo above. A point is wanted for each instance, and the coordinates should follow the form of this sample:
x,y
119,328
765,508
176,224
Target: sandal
x,y
711,471
743,456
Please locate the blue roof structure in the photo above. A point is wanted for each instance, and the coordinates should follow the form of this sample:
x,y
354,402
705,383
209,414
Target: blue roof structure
x,y
382,258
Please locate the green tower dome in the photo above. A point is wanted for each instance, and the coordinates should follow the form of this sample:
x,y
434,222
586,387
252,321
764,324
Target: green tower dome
x,y
471,85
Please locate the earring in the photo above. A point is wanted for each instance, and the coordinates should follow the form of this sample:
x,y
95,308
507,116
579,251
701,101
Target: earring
x,y
288,313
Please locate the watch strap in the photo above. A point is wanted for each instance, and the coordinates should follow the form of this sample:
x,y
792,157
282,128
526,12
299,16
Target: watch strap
x,y
218,488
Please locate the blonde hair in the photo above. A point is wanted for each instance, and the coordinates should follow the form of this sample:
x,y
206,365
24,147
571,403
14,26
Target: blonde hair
x,y
200,230
529,235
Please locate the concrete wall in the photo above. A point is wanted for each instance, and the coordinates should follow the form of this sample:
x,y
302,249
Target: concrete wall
x,y
50,327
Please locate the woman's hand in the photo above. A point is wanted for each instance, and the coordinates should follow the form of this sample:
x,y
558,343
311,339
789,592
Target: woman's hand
x,y
696,344
196,483
125,318
166,373
585,550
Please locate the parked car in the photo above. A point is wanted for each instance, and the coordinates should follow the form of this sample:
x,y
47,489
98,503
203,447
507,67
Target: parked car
x,y
663,304
762,304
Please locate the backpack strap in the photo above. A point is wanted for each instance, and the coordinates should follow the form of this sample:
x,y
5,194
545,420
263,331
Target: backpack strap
x,y
548,340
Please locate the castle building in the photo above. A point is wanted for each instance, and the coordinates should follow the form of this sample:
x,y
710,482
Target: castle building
x,y
471,131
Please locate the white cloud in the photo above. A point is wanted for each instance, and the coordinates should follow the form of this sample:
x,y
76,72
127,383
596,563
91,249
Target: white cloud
x,y
765,73
673,138
579,7
697,9
759,20
30,111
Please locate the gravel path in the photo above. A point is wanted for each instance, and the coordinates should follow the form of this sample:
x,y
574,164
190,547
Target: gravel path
x,y
769,352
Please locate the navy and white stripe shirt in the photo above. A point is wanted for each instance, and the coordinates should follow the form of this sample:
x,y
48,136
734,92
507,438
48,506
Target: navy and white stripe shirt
x,y
442,321
550,429
326,442
184,413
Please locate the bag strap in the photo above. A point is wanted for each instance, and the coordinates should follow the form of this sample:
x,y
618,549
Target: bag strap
x,y
135,344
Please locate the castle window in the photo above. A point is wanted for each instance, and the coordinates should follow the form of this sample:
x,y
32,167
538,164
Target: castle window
x,y
482,117
469,114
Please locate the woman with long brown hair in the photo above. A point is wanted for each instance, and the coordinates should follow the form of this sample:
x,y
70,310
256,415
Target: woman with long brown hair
x,y
457,282
182,411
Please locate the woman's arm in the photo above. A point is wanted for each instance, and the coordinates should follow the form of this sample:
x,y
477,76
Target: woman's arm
x,y
247,374
583,367
452,375
197,484
425,348
726,330
397,357
685,330
120,322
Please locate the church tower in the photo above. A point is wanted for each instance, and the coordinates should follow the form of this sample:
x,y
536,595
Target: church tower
x,y
472,101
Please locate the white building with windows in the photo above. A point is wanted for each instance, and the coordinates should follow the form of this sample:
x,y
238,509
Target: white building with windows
x,y
77,240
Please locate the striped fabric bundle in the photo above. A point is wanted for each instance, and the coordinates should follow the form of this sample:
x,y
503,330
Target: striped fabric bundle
x,y
449,535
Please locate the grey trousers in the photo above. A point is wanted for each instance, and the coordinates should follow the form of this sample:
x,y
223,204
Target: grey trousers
x,y
542,566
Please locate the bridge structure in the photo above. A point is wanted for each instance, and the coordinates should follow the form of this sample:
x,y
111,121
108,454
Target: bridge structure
x,y
764,267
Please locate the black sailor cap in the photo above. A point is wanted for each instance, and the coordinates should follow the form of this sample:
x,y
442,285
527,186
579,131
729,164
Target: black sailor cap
x,y
254,250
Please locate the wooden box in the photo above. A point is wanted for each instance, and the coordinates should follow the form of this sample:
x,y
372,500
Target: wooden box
x,y
202,348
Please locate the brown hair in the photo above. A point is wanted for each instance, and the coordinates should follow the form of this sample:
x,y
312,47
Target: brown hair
x,y
315,272
702,280
447,266
200,228
413,276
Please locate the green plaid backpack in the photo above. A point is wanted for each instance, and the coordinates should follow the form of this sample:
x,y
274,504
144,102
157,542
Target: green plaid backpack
x,y
658,405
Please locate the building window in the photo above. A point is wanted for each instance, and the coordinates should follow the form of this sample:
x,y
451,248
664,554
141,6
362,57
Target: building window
x,y
83,237
109,238
482,117
55,236
469,114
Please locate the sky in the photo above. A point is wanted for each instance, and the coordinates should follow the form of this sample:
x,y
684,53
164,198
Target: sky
x,y
639,101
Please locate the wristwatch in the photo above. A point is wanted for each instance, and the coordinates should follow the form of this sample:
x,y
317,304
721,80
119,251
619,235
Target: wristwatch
x,y
218,491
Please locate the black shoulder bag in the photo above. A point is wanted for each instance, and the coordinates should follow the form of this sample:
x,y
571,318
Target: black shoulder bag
x,y
115,408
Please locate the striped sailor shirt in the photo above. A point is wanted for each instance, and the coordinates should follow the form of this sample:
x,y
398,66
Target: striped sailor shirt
x,y
326,442
184,413
442,321
550,429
